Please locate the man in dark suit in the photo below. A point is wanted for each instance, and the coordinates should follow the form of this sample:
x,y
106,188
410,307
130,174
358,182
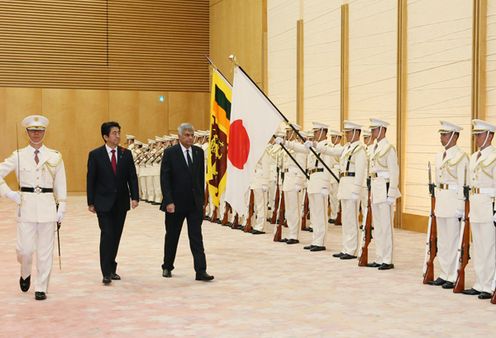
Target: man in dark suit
x,y
111,182
182,180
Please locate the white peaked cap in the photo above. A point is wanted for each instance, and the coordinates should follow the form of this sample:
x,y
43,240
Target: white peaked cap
x,y
174,136
138,143
333,132
150,141
280,133
366,132
130,137
318,125
481,126
35,122
297,127
376,123
348,125
448,127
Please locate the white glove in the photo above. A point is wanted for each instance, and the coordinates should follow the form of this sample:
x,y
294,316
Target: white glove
x,y
14,196
355,196
298,187
308,144
390,200
265,188
279,140
61,212
459,213
324,192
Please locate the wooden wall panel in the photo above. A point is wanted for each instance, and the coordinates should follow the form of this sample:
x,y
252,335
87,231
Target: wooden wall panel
x,y
188,107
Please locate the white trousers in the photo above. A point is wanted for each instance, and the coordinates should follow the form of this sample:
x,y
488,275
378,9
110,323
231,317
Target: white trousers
x,y
484,255
382,221
39,237
350,226
260,205
157,189
333,199
448,237
142,186
317,204
150,191
292,204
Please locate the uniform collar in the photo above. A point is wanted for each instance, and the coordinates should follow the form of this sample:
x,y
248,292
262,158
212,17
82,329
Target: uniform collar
x,y
32,149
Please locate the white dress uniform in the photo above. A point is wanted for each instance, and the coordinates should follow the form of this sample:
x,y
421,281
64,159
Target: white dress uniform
x,y
260,186
294,181
483,190
43,185
384,173
142,173
451,166
148,173
353,168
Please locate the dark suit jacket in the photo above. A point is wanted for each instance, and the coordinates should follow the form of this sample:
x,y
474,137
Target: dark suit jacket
x,y
181,185
103,188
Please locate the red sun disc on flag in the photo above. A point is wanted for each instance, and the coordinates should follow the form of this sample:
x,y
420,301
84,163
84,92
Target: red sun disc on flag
x,y
239,144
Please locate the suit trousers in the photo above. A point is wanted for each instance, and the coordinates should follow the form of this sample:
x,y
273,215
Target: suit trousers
x,y
382,221
39,237
173,225
484,254
350,226
318,216
111,224
448,236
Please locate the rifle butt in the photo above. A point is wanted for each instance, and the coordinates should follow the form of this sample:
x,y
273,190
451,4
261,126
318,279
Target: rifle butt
x,y
278,234
429,273
460,282
493,298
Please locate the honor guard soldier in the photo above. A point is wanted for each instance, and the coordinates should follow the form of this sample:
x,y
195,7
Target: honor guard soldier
x,y
482,215
260,186
384,174
335,143
368,143
130,141
41,177
294,180
318,186
353,167
451,168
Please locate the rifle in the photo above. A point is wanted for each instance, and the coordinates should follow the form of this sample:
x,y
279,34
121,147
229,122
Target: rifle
x,y
306,211
280,221
493,298
273,220
366,228
235,224
251,209
225,218
431,241
464,248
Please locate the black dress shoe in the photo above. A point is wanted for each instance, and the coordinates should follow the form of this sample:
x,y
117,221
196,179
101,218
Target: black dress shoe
x,y
25,283
292,241
385,266
204,276
39,295
115,276
373,265
347,256
308,247
283,240
310,229
484,295
106,280
471,292
166,273
438,282
331,221
257,232
318,248
448,285
338,255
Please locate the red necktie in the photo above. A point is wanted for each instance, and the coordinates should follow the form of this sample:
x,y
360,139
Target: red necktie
x,y
114,162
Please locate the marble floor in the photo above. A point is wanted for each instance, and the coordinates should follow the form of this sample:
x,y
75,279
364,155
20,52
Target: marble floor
x,y
261,288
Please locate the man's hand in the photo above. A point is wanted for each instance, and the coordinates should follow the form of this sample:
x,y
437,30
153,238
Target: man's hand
x,y
61,212
171,208
134,204
91,208
14,196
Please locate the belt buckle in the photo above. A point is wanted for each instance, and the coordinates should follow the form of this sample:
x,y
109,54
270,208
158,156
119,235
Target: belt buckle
x,y
37,190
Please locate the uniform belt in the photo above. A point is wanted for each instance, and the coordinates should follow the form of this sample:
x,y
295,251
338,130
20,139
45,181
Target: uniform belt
x,y
37,190
285,170
382,174
315,170
489,191
445,186
347,174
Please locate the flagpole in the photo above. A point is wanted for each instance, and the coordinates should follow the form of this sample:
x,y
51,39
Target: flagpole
x,y
291,125
294,160
211,63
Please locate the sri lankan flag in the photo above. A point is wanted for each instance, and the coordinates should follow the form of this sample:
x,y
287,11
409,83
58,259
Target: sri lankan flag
x,y
220,113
